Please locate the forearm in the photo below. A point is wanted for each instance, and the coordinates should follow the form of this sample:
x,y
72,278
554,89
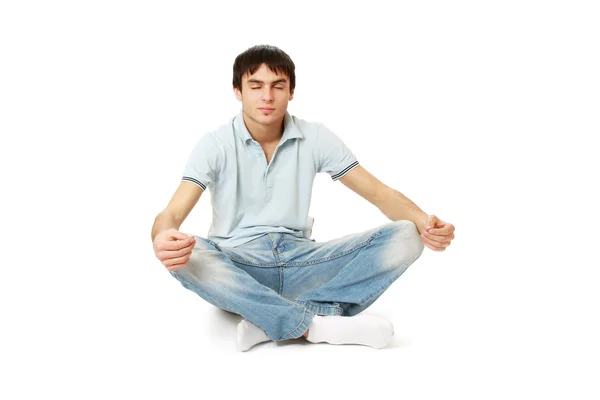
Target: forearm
x,y
163,221
396,206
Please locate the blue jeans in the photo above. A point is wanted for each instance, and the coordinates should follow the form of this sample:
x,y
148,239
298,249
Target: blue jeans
x,y
279,281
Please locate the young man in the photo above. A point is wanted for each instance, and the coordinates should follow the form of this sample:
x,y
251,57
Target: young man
x,y
258,260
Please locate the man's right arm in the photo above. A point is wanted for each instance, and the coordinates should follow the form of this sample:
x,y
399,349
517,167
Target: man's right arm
x,y
183,201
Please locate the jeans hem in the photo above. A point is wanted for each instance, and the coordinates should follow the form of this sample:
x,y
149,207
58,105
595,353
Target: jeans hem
x,y
303,327
321,309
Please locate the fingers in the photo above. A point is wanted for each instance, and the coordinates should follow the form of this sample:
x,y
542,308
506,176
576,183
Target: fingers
x,y
438,238
442,230
170,254
174,249
176,267
173,245
433,245
174,264
432,220
435,242
177,260
175,234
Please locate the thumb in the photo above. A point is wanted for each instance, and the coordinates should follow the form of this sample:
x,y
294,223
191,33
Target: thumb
x,y
431,221
175,234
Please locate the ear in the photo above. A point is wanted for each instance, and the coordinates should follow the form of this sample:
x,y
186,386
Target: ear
x,y
238,93
291,94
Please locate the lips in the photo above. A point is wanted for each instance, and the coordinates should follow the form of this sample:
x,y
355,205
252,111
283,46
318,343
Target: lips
x,y
267,110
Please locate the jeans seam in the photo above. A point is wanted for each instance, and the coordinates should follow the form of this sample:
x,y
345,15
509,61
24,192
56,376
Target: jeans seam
x,y
188,285
253,264
237,260
300,264
308,301
306,311
334,256
281,278
214,244
315,307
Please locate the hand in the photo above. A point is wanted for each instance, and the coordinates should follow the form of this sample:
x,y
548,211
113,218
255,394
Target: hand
x,y
173,248
437,234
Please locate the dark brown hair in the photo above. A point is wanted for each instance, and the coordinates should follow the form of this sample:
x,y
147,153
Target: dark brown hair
x,y
250,60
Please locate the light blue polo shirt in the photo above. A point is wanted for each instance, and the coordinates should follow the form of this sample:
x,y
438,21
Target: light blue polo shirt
x,y
251,198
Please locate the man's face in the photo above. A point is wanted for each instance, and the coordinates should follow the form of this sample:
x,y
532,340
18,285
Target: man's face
x,y
264,96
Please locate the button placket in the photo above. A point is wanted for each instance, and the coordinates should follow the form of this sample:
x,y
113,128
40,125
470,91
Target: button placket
x,y
268,185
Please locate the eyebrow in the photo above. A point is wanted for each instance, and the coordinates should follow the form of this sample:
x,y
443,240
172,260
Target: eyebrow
x,y
249,81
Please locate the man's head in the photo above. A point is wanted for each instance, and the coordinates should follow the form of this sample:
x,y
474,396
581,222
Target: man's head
x,y
264,80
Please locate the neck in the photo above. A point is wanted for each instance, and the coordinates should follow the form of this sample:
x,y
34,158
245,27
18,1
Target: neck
x,y
264,133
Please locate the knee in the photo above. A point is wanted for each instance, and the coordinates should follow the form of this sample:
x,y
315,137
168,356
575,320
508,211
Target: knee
x,y
204,252
203,249
408,233
205,264
405,241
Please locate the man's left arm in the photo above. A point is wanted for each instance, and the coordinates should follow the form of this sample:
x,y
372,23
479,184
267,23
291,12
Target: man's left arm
x,y
435,233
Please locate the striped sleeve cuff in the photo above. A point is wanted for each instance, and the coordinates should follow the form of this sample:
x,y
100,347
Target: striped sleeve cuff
x,y
196,181
344,171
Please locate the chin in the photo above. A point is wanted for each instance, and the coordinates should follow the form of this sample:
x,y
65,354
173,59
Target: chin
x,y
267,119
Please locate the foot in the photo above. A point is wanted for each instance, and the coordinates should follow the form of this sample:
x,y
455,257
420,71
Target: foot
x,y
249,335
364,329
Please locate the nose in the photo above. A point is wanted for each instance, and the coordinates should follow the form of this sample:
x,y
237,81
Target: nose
x,y
267,94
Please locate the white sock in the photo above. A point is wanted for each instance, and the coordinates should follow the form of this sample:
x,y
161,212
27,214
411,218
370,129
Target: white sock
x,y
249,334
365,329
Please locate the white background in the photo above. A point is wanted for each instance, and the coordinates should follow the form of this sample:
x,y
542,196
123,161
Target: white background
x,y
483,113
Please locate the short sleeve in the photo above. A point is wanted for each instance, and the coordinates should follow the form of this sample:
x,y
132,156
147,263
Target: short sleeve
x,y
334,157
203,162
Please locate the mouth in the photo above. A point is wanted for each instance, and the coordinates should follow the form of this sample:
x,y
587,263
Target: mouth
x,y
266,110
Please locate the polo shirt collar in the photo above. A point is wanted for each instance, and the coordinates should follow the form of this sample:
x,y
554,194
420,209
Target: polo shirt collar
x,y
290,130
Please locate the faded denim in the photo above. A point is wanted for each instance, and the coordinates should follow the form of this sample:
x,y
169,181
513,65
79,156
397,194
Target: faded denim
x,y
280,281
